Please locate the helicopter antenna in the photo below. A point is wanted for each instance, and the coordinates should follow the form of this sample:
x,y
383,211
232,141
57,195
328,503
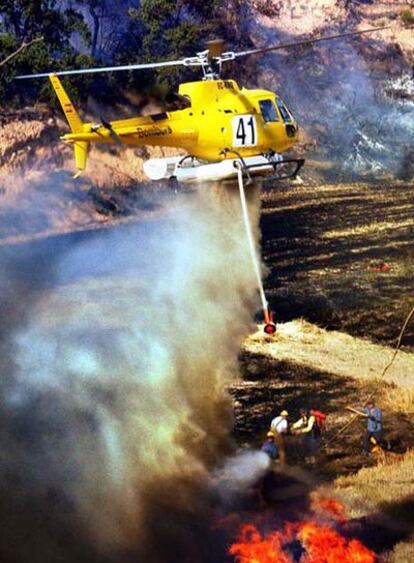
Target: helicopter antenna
x,y
210,60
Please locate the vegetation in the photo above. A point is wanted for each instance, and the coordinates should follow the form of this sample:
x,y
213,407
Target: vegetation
x,y
382,496
24,20
73,37
407,17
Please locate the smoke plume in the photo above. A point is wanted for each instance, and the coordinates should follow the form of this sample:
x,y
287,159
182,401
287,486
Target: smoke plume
x,y
354,98
115,408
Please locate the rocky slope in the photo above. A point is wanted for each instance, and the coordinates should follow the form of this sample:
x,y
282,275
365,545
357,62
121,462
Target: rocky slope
x,y
353,98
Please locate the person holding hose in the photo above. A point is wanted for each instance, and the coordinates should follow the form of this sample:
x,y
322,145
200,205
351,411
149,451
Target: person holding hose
x,y
374,427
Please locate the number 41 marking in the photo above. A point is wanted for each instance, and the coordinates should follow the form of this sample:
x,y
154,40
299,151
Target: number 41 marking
x,y
244,131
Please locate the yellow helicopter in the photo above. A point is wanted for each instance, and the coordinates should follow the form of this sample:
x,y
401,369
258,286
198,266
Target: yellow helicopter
x,y
227,131
218,124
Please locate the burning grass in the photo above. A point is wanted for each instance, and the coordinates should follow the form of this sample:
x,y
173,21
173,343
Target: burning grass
x,y
307,542
318,536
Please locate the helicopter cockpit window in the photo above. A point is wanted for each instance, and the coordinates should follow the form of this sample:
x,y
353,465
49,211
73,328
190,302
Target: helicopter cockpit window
x,y
283,111
268,111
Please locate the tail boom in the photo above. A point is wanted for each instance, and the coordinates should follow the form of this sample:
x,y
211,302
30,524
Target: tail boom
x,y
75,123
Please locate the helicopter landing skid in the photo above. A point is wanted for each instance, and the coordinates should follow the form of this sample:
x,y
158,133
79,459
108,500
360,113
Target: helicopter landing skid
x,y
283,169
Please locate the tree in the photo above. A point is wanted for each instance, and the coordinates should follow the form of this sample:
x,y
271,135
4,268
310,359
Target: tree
x,y
108,21
177,28
22,47
23,22
171,30
98,10
27,19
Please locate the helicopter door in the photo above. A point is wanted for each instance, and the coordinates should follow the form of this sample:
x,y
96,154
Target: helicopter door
x,y
273,127
244,131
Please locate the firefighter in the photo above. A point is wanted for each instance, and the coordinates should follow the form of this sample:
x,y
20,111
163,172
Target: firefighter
x,y
279,426
308,426
269,447
374,428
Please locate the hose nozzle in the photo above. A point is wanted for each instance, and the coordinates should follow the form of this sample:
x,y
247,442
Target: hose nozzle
x,y
270,326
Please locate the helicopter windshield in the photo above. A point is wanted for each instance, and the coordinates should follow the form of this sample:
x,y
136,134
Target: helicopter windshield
x,y
268,110
284,112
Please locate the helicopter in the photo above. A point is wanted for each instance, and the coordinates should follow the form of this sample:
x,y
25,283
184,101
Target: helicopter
x,y
217,125
226,131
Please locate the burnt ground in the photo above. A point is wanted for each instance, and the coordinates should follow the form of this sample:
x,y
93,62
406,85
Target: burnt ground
x,y
325,248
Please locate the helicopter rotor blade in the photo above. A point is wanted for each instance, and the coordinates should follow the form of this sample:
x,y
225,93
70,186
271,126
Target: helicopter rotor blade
x,y
105,69
114,136
213,53
305,42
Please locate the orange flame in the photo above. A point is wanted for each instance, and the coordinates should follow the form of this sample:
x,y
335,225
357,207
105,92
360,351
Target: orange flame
x,y
329,507
253,548
320,544
306,541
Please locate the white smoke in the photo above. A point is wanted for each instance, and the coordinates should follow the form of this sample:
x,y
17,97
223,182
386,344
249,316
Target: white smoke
x,y
239,473
360,115
123,364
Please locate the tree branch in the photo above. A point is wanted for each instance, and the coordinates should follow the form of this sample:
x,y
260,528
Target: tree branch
x,y
23,46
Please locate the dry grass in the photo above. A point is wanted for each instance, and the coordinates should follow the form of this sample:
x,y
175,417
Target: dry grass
x,y
300,342
15,133
402,553
395,398
385,494
364,492
372,228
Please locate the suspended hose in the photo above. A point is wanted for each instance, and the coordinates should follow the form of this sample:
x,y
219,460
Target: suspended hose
x,y
270,327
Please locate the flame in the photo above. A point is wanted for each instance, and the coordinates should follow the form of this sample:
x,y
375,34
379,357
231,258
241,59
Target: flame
x,y
329,507
304,542
316,544
253,548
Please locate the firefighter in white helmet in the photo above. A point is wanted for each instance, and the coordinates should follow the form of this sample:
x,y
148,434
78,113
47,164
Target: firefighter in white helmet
x,y
279,426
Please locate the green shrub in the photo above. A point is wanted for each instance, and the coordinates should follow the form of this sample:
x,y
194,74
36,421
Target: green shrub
x,y
407,18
